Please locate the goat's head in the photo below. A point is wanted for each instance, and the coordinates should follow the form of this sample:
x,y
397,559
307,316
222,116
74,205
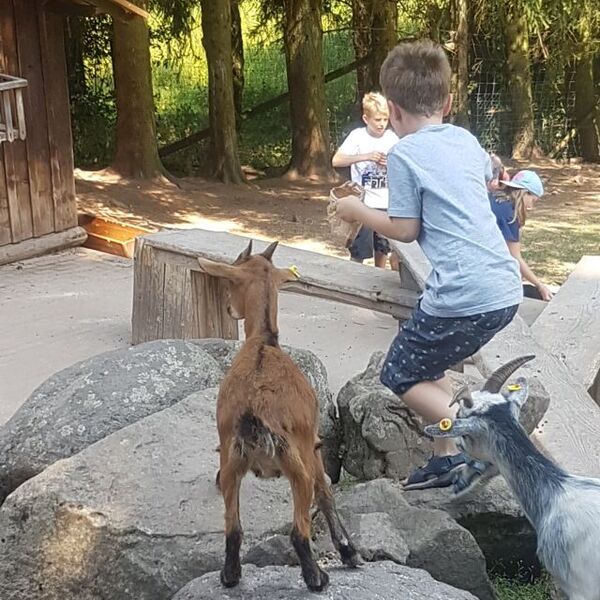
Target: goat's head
x,y
481,412
247,271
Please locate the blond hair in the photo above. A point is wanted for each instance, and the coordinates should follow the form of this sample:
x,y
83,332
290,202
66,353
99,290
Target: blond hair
x,y
373,104
416,77
517,197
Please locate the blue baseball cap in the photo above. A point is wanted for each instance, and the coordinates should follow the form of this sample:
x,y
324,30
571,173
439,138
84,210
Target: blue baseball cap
x,y
527,180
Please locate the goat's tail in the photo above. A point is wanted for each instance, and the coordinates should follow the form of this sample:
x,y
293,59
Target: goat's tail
x,y
252,434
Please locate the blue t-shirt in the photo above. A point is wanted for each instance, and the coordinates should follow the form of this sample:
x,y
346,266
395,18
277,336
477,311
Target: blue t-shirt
x,y
438,175
505,213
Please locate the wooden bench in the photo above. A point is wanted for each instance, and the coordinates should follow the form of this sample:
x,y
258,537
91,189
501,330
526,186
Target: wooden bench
x,y
173,299
569,328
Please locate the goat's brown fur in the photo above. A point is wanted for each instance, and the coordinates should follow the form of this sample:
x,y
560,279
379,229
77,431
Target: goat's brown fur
x,y
268,417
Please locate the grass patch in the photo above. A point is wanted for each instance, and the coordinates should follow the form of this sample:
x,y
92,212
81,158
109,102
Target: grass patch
x,y
511,589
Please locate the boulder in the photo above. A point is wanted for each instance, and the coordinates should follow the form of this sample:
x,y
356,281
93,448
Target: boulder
x,y
373,580
376,537
495,520
90,400
134,516
436,543
95,397
381,437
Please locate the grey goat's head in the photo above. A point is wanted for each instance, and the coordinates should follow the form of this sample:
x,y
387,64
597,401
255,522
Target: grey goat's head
x,y
482,412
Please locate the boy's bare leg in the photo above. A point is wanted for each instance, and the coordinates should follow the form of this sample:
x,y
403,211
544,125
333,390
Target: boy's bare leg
x,y
380,259
430,400
394,261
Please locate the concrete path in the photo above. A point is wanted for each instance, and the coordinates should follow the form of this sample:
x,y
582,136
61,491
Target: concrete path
x,y
61,308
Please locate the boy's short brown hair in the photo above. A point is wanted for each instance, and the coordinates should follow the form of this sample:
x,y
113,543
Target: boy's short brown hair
x,y
416,77
373,103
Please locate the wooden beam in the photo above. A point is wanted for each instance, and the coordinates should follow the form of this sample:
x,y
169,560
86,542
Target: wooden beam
x,y
42,245
569,327
569,432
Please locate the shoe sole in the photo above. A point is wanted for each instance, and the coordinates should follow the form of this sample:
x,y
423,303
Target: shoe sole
x,y
441,481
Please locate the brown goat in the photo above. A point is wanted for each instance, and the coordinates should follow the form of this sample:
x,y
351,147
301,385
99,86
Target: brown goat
x,y
267,418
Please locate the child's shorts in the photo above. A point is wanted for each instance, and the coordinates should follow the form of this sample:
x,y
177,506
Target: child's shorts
x,y
427,346
366,243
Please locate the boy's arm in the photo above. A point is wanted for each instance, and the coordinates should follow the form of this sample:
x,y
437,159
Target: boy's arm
x,y
345,160
401,229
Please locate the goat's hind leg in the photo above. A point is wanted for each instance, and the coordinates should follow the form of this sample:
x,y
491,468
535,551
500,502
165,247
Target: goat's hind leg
x,y
301,483
326,504
231,474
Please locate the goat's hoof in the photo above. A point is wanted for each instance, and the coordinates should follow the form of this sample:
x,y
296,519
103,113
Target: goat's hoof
x,y
350,555
231,577
317,581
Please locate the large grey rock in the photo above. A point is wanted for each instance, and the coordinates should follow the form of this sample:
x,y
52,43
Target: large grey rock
x,y
377,538
134,516
98,396
435,541
381,437
370,582
95,397
495,520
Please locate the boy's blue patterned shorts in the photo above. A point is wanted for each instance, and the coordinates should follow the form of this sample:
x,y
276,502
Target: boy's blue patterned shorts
x,y
427,346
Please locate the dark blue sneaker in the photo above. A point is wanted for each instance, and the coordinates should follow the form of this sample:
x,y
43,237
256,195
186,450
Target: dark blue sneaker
x,y
439,472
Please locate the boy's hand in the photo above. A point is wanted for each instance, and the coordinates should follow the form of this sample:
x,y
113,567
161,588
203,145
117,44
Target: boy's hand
x,y
348,208
378,157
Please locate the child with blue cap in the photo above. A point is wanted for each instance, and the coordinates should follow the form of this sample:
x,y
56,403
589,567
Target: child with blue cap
x,y
520,195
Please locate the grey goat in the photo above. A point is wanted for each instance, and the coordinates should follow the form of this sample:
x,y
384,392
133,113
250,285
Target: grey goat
x,y
564,509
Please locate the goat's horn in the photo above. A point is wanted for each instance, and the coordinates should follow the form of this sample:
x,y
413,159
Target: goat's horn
x,y
245,253
463,394
497,379
268,253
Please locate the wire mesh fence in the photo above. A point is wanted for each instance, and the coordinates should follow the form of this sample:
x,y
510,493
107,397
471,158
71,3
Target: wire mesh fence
x,y
181,99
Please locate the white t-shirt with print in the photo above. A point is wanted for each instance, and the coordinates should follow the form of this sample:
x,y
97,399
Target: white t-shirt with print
x,y
371,175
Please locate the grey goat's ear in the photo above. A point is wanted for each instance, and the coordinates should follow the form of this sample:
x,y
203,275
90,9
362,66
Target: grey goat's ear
x,y
452,428
244,254
516,393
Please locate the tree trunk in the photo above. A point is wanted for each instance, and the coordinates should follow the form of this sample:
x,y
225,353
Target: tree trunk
x,y
461,64
373,34
216,38
383,37
308,105
136,150
586,111
74,48
237,46
519,79
362,11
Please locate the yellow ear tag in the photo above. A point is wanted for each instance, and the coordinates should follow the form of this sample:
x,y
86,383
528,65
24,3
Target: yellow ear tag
x,y
514,387
446,424
294,271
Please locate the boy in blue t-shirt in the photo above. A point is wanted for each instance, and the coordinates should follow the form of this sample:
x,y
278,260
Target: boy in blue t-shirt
x,y
437,195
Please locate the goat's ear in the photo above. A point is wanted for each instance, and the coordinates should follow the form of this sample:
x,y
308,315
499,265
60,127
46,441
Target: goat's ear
x,y
244,254
217,269
516,394
448,428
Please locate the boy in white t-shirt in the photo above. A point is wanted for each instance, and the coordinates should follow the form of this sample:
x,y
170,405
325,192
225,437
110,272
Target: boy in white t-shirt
x,y
365,152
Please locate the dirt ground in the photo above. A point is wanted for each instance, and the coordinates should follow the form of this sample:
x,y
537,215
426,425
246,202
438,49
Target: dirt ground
x,y
564,225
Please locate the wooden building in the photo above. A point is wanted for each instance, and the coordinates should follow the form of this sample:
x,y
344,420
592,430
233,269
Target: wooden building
x,y
37,189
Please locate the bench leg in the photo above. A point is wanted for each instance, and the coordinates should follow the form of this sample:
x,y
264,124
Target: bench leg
x,y
172,302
